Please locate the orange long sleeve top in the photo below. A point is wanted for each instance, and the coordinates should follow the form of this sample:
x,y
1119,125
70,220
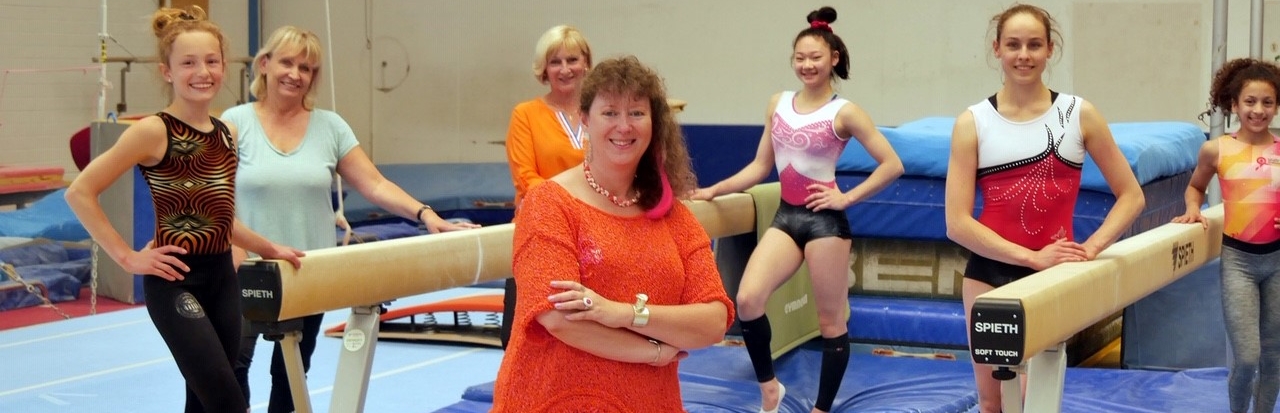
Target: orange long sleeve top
x,y
538,147
559,237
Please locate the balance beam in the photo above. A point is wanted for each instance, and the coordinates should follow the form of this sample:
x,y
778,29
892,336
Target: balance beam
x,y
1034,316
372,273
362,277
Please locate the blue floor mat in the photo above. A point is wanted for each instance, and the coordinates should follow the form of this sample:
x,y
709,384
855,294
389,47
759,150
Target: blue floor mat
x,y
720,379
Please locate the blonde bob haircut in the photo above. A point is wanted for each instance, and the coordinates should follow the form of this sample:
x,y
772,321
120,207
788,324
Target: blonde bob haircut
x,y
556,38
288,40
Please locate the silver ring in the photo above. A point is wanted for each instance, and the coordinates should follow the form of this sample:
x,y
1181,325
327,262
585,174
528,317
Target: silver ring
x,y
586,301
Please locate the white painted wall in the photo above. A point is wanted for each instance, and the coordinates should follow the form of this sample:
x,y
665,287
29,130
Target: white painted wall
x,y
43,102
468,61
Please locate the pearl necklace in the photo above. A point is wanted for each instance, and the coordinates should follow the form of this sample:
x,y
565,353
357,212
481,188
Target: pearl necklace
x,y
591,181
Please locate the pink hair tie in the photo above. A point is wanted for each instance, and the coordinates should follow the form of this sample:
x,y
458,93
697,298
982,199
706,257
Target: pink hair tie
x,y
821,25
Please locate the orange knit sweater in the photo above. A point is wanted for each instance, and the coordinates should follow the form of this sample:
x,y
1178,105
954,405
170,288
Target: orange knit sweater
x,y
558,237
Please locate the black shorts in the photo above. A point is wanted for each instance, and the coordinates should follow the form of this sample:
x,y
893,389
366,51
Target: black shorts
x,y
804,225
992,272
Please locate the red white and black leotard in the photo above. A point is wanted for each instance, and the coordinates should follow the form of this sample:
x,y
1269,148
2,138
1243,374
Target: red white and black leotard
x,y
1029,176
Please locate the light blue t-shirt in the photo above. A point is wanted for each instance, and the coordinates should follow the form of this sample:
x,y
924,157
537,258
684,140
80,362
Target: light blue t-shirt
x,y
287,197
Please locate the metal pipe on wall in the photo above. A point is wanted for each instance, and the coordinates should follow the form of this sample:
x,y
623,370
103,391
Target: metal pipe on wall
x,y
1255,29
255,27
1218,59
102,79
255,42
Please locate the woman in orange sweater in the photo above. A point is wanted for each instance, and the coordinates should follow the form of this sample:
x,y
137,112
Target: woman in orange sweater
x,y
616,278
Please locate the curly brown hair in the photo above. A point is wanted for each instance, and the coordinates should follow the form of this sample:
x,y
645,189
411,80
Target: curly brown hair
x,y
626,76
1233,75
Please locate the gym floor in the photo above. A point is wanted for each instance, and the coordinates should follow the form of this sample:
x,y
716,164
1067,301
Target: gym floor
x,y
116,362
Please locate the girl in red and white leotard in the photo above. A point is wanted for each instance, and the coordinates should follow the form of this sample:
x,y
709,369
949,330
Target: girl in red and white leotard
x,y
1024,147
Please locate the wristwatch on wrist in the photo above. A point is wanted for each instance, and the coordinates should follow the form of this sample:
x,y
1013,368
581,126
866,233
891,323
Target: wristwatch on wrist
x,y
642,312
424,208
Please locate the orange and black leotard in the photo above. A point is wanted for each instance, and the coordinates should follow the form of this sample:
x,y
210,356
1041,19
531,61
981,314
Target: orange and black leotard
x,y
193,188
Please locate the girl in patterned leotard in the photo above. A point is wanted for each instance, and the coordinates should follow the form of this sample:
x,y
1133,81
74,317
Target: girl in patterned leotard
x,y
189,161
805,131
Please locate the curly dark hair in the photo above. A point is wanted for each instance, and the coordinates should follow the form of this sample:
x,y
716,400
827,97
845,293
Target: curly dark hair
x,y
1232,77
822,30
626,76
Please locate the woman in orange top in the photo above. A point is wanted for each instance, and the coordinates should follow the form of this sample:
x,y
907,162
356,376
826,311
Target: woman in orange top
x,y
617,280
545,135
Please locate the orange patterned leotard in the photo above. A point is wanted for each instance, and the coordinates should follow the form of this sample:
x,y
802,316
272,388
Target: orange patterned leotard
x,y
1250,189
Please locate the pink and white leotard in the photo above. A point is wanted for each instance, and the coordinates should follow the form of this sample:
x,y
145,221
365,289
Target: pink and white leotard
x,y
805,147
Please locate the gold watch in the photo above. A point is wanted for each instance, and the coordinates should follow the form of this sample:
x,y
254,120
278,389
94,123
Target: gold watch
x,y
642,312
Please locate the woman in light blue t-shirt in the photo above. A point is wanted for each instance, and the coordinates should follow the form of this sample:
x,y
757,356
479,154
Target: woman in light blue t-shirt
x,y
289,151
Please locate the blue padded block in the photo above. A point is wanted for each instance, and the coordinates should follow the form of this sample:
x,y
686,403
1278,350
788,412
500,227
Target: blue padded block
x,y
1153,150
912,207
1179,326
480,192
719,151
907,321
909,208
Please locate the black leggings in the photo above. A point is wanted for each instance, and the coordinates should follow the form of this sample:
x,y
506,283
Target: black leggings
x,y
199,319
281,398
